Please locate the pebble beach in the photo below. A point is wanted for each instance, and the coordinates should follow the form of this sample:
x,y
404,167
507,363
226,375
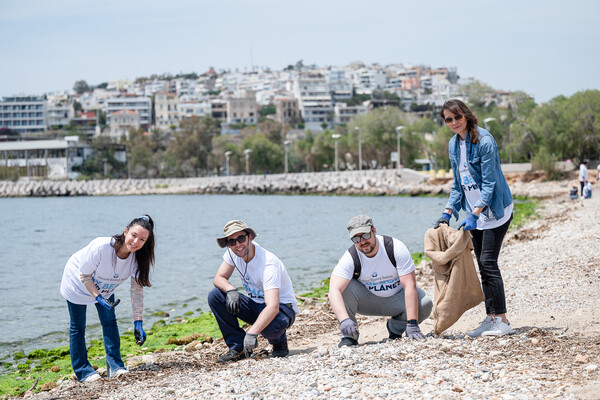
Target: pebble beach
x,y
551,270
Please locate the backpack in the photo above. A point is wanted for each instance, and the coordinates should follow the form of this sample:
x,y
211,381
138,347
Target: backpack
x,y
388,243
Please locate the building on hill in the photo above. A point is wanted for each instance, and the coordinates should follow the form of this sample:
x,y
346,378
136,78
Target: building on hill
x,y
24,114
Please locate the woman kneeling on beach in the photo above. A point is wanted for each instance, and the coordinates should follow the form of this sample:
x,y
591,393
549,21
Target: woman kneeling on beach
x,y
480,189
91,276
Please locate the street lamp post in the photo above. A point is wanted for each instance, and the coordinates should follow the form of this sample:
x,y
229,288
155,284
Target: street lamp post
x,y
286,145
359,149
227,155
399,132
247,155
335,137
485,122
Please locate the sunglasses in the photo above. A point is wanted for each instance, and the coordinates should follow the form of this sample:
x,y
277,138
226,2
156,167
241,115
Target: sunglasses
x,y
457,117
239,239
366,236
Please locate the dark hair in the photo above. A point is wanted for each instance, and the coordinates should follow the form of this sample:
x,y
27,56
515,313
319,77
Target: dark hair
x,y
457,107
145,255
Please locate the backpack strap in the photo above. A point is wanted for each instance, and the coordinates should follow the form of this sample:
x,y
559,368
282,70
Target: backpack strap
x,y
388,243
354,253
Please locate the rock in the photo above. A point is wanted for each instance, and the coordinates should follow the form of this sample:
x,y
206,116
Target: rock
x,y
55,368
591,367
581,359
48,386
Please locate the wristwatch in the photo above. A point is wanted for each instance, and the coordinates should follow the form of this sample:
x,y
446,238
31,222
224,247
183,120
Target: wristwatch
x,y
412,322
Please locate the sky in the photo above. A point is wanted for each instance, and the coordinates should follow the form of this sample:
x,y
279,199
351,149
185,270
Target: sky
x,y
544,48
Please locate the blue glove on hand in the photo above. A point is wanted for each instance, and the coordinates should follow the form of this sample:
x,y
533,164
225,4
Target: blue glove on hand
x,y
349,328
445,219
105,303
138,332
250,343
413,332
470,222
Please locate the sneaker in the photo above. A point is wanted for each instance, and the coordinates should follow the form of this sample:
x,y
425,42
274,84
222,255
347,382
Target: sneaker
x,y
392,335
485,325
499,328
281,350
119,372
348,341
92,378
232,355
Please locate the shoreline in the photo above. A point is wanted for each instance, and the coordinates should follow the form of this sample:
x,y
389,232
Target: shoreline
x,y
557,336
368,182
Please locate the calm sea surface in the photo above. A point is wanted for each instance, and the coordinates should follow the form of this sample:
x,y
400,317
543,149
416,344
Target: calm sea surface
x,y
308,233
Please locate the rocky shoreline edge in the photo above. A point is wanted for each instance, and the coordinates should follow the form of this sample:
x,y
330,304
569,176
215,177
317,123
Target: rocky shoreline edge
x,y
368,182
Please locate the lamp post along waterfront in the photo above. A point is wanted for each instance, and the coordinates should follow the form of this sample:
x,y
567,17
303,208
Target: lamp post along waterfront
x,y
247,155
227,155
359,149
335,137
399,132
286,146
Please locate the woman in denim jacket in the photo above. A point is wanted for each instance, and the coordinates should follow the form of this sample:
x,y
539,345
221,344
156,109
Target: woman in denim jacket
x,y
479,188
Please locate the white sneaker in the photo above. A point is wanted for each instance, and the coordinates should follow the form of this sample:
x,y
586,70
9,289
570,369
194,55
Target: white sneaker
x,y
499,328
485,325
92,378
119,372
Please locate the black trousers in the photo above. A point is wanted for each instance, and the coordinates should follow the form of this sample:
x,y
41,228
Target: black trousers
x,y
487,244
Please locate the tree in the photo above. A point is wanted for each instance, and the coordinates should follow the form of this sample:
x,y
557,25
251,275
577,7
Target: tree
x,y
268,109
191,145
81,87
140,150
266,156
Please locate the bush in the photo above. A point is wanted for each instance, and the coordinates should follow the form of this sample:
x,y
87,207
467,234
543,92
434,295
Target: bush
x,y
545,161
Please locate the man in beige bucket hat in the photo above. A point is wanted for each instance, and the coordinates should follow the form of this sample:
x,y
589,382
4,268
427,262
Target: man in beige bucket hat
x,y
269,305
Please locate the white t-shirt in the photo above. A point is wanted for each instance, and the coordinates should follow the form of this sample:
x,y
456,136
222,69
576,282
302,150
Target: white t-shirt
x,y
473,194
265,271
100,260
583,173
377,273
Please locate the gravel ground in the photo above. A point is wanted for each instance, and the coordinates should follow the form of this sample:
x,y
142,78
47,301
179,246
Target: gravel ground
x,y
551,269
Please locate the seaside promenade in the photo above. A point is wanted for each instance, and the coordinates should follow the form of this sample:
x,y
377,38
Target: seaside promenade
x,y
367,182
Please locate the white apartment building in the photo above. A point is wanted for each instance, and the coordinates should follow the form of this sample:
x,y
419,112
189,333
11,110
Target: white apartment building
x,y
166,110
23,113
189,109
373,79
59,114
155,86
344,113
140,104
122,121
312,91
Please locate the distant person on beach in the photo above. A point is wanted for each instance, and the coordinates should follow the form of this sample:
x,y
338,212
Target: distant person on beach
x,y
598,174
270,305
91,276
376,276
583,175
479,188
573,193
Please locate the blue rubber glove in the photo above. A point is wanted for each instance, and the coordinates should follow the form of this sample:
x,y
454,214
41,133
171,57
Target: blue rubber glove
x,y
445,219
138,332
470,222
413,332
103,302
349,328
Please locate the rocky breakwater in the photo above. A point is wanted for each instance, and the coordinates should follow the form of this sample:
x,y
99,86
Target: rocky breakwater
x,y
371,182
368,182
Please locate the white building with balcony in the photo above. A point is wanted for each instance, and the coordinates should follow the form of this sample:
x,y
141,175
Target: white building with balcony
x,y
60,114
140,104
122,121
344,113
23,114
188,109
312,91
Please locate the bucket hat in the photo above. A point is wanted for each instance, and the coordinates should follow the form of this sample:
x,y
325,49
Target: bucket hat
x,y
233,227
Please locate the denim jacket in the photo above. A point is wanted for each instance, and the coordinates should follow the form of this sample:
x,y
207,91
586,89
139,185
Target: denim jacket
x,y
484,165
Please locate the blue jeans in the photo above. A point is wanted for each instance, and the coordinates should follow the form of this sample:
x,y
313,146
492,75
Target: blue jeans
x,y
110,332
249,311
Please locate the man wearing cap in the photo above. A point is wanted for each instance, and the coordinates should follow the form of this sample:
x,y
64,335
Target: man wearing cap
x,y
376,276
270,305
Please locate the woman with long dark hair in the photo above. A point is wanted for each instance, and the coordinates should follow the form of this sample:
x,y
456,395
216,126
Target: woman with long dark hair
x,y
480,189
91,276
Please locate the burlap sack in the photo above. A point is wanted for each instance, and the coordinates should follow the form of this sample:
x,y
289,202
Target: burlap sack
x,y
457,286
